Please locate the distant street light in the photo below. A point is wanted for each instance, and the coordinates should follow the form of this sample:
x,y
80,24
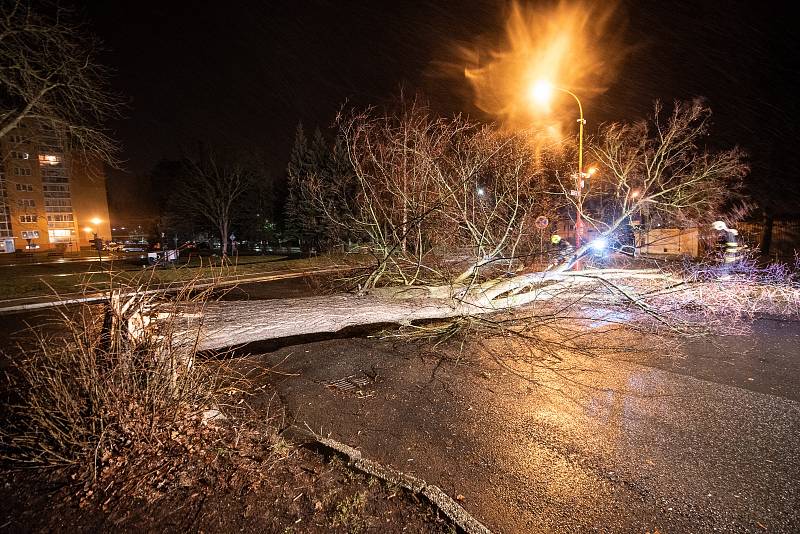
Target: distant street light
x,y
96,222
541,93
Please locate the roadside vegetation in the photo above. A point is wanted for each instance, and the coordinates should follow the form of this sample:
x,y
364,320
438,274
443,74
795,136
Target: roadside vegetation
x,y
129,426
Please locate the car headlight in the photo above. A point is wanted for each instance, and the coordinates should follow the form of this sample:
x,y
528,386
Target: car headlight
x,y
599,245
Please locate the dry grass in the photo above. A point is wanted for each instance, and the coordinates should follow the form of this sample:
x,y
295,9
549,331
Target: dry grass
x,y
111,382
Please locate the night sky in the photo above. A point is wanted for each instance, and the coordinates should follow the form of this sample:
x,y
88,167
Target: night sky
x,y
244,73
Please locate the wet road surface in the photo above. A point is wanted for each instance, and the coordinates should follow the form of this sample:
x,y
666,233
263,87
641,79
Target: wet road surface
x,y
681,441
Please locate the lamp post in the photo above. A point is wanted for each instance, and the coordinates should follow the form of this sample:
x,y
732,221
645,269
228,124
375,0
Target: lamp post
x,y
93,230
542,92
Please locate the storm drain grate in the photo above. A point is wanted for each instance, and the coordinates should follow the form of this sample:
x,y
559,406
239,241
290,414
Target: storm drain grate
x,y
353,384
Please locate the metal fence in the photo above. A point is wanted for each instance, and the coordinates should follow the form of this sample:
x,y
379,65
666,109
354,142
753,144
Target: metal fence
x,y
784,237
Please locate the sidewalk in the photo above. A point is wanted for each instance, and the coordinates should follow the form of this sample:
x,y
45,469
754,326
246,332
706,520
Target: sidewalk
x,y
22,304
22,261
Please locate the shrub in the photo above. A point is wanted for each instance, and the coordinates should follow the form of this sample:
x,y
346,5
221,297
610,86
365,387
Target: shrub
x,y
118,377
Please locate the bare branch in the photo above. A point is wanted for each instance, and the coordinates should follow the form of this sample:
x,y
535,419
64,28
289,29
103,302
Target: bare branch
x,y
49,74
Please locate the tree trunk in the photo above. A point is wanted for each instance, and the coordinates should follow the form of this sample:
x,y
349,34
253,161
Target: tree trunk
x,y
232,323
223,230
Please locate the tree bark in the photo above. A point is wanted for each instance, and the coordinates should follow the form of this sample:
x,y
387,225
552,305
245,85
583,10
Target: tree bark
x,y
223,230
232,323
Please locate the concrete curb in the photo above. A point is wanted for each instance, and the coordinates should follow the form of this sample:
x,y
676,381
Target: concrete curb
x,y
441,500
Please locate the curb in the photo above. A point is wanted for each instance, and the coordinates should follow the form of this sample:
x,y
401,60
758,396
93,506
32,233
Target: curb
x,y
434,494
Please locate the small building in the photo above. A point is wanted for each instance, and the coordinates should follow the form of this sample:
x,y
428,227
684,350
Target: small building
x,y
668,242
654,241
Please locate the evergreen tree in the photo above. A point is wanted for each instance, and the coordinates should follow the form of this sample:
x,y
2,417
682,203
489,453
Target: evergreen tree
x,y
322,195
296,216
342,192
316,174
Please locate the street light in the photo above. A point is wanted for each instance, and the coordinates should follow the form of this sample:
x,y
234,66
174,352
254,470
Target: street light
x,y
96,222
541,92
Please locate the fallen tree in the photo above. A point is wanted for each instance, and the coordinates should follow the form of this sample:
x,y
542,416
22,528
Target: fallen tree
x,y
446,206
227,324
688,303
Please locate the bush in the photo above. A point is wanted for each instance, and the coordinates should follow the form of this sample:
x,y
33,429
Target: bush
x,y
115,379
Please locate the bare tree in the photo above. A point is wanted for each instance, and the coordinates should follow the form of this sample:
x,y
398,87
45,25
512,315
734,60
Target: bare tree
x,y
211,189
661,167
49,74
439,200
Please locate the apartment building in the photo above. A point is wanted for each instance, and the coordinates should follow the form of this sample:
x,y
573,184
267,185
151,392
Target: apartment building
x,y
48,199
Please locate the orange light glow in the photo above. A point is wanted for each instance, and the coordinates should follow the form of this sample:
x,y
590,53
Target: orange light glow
x,y
591,171
570,45
96,221
541,92
49,159
87,230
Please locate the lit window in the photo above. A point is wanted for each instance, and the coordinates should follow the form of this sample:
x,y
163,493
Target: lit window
x,y
49,159
65,217
61,235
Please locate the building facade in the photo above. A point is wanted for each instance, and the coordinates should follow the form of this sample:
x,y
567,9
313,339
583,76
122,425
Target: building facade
x,y
48,199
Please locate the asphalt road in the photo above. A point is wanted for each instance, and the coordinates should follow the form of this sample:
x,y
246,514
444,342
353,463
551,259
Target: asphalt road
x,y
632,434
701,438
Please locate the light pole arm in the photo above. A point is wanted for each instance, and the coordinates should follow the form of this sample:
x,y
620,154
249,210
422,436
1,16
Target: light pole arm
x,y
581,121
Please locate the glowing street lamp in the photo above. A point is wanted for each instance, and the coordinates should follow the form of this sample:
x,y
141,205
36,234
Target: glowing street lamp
x,y
541,92
89,230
